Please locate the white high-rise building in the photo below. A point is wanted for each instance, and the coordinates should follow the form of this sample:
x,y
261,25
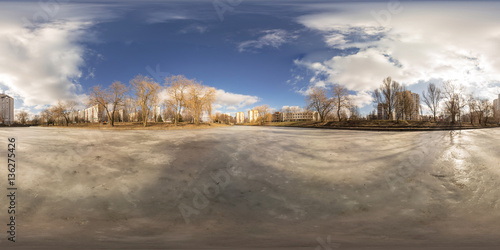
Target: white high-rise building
x,y
253,115
240,117
6,109
498,103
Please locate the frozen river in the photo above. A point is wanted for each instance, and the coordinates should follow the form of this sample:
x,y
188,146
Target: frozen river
x,y
253,187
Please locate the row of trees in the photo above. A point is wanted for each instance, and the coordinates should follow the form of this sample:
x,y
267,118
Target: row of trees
x,y
324,102
141,97
396,99
451,100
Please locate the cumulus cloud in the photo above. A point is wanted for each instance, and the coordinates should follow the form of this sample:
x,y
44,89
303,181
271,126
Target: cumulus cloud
x,y
232,101
459,43
41,50
273,38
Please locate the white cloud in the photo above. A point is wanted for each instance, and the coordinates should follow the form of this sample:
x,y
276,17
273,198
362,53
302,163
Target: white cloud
x,y
273,38
232,101
195,28
161,17
41,50
41,65
426,41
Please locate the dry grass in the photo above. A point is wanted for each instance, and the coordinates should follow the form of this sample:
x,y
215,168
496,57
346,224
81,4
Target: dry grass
x,y
140,126
377,125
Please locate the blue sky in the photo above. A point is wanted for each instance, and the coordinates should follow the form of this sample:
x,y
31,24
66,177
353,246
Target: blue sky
x,y
255,52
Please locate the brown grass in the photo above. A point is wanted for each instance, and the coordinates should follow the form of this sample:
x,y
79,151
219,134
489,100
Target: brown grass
x,y
140,126
381,125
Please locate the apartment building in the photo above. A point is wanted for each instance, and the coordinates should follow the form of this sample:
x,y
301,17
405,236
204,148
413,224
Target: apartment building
x,y
6,109
401,101
240,117
253,115
296,116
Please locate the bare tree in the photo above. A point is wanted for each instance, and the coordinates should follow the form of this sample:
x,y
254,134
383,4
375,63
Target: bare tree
x,y
355,114
341,99
386,95
472,103
48,116
109,99
318,101
199,100
146,91
35,120
432,98
484,110
264,113
177,87
63,110
453,100
404,104
22,117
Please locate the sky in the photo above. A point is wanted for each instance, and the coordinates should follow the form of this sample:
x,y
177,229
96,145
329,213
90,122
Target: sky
x,y
253,52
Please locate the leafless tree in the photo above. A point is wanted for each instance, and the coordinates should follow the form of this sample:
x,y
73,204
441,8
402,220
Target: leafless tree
x,y
146,91
36,120
472,104
48,116
404,104
64,109
264,113
432,98
386,95
454,100
318,101
355,114
484,110
109,99
22,117
177,87
199,100
341,100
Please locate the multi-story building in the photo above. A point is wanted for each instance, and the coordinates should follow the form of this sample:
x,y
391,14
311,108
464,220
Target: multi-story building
x,y
277,117
382,113
496,108
496,103
92,114
300,116
295,116
414,109
240,117
6,109
253,115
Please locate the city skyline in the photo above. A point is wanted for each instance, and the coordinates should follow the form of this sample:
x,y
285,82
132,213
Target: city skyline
x,y
252,52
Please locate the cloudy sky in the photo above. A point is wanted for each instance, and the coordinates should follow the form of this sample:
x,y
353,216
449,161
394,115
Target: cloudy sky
x,y
252,52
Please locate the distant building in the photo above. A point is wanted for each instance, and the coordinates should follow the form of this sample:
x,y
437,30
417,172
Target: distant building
x,y
277,117
240,117
496,108
300,116
496,104
6,109
415,108
382,113
92,114
155,114
253,115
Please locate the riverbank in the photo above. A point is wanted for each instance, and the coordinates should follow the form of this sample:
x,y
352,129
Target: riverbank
x,y
382,125
139,126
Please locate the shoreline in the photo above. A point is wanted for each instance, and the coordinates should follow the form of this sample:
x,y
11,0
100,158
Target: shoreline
x,y
382,128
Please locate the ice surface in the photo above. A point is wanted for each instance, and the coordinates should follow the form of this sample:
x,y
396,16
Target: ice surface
x,y
254,187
